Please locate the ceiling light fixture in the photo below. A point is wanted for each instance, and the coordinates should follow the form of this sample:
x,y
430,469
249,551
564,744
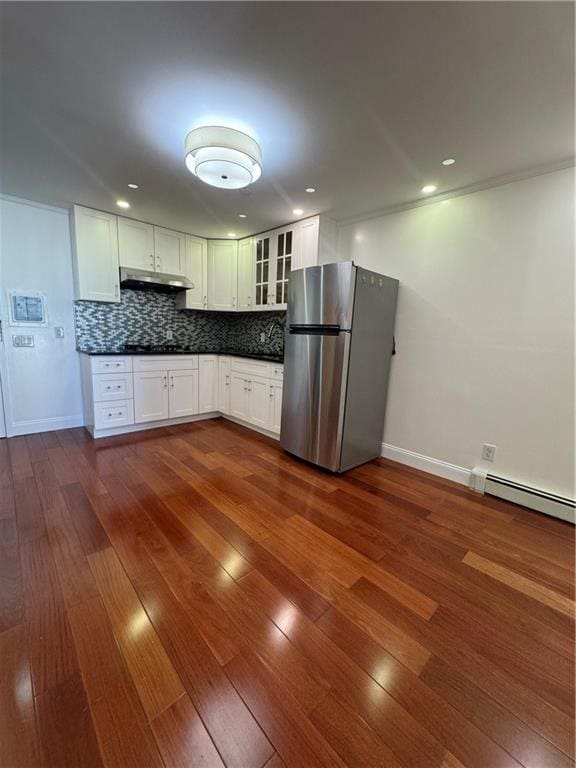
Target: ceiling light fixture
x,y
448,161
223,157
231,234
297,211
310,189
429,188
133,186
122,203
242,215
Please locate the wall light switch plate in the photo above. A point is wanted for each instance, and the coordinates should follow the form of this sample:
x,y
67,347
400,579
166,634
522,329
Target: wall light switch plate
x,y
59,332
22,341
488,452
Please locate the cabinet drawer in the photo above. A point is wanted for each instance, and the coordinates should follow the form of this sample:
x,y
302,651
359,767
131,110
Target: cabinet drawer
x,y
277,371
112,386
111,364
116,414
165,363
250,367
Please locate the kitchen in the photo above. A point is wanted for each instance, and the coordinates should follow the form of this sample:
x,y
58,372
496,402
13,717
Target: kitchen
x,y
287,384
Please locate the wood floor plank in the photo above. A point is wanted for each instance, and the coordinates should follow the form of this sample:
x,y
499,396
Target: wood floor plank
x,y
155,678
182,738
65,727
120,723
28,508
52,655
19,458
18,741
294,737
11,588
521,583
90,532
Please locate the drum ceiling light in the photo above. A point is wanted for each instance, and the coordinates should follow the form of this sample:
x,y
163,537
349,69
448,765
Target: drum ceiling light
x,y
223,157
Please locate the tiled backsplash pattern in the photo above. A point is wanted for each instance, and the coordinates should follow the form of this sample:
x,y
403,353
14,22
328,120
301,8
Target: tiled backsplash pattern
x,y
144,317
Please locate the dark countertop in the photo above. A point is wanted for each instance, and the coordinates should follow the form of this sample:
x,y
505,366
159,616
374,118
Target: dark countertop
x,y
252,356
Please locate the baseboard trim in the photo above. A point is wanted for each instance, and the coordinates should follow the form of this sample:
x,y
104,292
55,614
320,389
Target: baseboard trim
x,y
98,433
253,427
427,464
43,425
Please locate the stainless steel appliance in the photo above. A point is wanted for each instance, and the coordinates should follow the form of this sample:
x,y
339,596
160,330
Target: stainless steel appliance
x,y
339,342
145,280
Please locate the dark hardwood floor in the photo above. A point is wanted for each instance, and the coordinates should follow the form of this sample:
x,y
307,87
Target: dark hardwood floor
x,y
194,597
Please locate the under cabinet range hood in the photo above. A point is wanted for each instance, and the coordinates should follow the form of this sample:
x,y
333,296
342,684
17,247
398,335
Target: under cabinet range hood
x,y
144,280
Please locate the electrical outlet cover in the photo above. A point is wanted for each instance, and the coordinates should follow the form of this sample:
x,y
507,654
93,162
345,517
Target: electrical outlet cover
x,y
488,452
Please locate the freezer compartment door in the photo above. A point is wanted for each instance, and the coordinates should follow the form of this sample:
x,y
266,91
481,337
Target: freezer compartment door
x,y
322,295
314,394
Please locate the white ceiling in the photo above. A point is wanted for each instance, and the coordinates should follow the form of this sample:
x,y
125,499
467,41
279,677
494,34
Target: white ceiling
x,y
360,100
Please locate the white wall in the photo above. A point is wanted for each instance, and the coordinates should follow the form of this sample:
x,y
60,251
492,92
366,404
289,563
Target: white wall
x,y
41,386
485,326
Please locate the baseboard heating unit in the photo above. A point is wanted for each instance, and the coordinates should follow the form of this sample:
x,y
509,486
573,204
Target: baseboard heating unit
x,y
534,498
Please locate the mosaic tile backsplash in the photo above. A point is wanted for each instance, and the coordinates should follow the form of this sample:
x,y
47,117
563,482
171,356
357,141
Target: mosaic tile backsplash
x,y
144,317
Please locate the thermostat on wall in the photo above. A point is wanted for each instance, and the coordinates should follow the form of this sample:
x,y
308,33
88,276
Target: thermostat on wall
x,y
27,308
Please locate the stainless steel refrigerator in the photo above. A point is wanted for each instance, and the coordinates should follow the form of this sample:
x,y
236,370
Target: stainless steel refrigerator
x,y
339,343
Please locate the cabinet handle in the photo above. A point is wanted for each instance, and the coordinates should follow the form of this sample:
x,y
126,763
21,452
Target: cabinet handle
x,y
271,391
165,380
234,301
172,381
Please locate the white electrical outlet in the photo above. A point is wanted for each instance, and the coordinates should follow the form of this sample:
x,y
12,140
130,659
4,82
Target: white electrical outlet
x,y
262,338
488,452
169,335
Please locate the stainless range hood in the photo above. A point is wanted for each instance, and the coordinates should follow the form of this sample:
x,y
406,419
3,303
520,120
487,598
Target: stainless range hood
x,y
144,280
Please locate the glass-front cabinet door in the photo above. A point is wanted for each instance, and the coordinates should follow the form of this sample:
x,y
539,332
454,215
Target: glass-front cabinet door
x,y
284,241
262,271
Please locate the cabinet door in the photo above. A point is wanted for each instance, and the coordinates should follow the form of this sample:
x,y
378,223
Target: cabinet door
x,y
208,384
222,274
238,396
284,241
246,274
276,408
183,388
135,244
196,270
262,280
308,242
169,250
224,386
95,255
150,396
259,402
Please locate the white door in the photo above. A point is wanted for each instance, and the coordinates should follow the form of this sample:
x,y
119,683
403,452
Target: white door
x,y
259,402
170,251
150,396
246,274
224,386
95,255
239,396
276,408
183,388
135,244
222,274
208,383
196,270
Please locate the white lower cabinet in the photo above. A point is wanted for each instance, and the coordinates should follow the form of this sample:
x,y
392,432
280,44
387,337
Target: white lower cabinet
x,y
150,396
239,395
276,408
182,393
256,393
224,385
208,393
259,402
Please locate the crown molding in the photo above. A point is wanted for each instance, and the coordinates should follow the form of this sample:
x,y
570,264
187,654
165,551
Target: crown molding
x,y
496,181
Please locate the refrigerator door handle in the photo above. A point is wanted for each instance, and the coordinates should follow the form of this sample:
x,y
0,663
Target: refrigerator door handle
x,y
314,330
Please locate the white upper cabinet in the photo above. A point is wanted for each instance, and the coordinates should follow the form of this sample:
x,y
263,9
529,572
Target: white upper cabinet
x,y
196,270
95,255
246,274
263,257
308,239
283,252
135,244
222,274
169,251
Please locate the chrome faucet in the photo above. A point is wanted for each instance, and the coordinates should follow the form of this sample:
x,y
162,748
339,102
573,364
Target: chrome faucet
x,y
273,324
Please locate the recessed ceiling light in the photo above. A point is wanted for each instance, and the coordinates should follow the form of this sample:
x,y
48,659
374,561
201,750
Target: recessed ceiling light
x,y
133,186
242,215
223,157
448,161
429,188
310,189
231,234
122,203
297,211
